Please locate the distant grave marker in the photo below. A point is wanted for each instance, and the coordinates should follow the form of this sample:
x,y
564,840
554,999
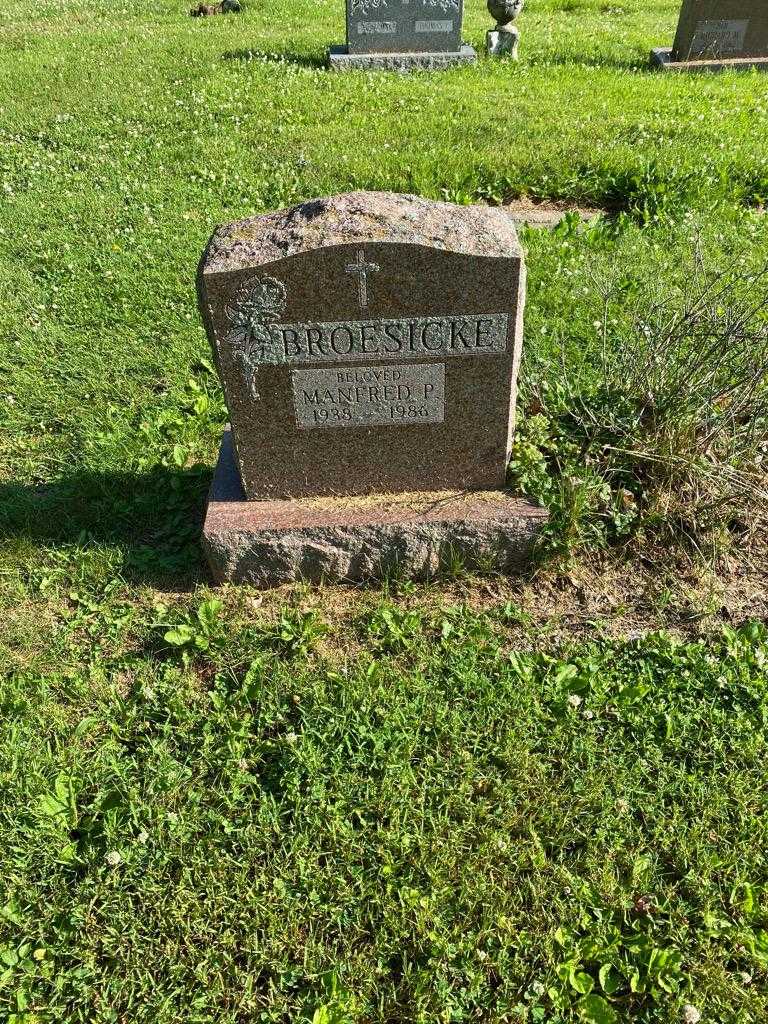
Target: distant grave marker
x,y
402,35
716,34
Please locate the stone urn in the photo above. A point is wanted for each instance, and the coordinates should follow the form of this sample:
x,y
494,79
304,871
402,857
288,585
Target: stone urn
x,y
503,40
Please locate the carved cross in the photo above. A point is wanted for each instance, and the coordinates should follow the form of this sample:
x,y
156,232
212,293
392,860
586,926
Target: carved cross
x,y
362,268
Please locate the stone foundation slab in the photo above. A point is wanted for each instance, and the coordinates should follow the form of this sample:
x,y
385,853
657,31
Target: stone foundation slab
x,y
340,60
267,543
661,58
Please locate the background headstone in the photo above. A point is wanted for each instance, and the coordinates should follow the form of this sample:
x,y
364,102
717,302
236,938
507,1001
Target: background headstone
x,y
402,34
369,346
722,28
712,34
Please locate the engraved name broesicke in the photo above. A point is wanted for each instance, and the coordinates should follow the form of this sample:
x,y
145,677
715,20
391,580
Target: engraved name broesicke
x,y
358,340
259,339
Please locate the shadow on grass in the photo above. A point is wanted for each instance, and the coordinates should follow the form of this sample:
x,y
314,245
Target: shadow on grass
x,y
276,57
155,517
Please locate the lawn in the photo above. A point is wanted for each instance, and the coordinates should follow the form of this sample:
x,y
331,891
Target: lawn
x,y
472,800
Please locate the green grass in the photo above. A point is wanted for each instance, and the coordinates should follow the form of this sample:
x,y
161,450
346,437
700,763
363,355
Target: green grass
x,y
130,131
406,819
434,828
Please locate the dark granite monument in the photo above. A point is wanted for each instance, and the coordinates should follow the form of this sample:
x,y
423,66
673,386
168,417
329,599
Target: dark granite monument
x,y
402,35
716,34
369,347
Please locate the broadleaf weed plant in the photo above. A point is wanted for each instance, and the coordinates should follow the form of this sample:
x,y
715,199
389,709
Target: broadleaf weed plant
x,y
666,429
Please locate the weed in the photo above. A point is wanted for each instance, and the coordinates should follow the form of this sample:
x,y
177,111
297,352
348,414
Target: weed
x,y
197,632
296,632
671,436
390,629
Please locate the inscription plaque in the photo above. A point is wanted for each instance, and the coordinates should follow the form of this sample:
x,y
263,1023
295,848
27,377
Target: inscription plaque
x,y
403,395
434,26
375,27
717,38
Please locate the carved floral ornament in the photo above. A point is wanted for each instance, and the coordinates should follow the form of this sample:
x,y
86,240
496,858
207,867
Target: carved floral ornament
x,y
364,7
444,5
259,302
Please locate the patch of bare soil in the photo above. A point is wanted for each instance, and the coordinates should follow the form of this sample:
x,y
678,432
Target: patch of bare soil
x,y
607,596
611,596
548,214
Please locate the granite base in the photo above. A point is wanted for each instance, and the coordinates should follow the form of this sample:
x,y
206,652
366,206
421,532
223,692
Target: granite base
x,y
339,59
267,543
661,58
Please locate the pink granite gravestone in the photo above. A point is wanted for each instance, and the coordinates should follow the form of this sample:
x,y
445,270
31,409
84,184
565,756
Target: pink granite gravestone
x,y
369,347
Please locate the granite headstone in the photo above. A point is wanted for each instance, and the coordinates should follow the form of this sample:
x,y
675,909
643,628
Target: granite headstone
x,y
402,35
715,34
369,346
